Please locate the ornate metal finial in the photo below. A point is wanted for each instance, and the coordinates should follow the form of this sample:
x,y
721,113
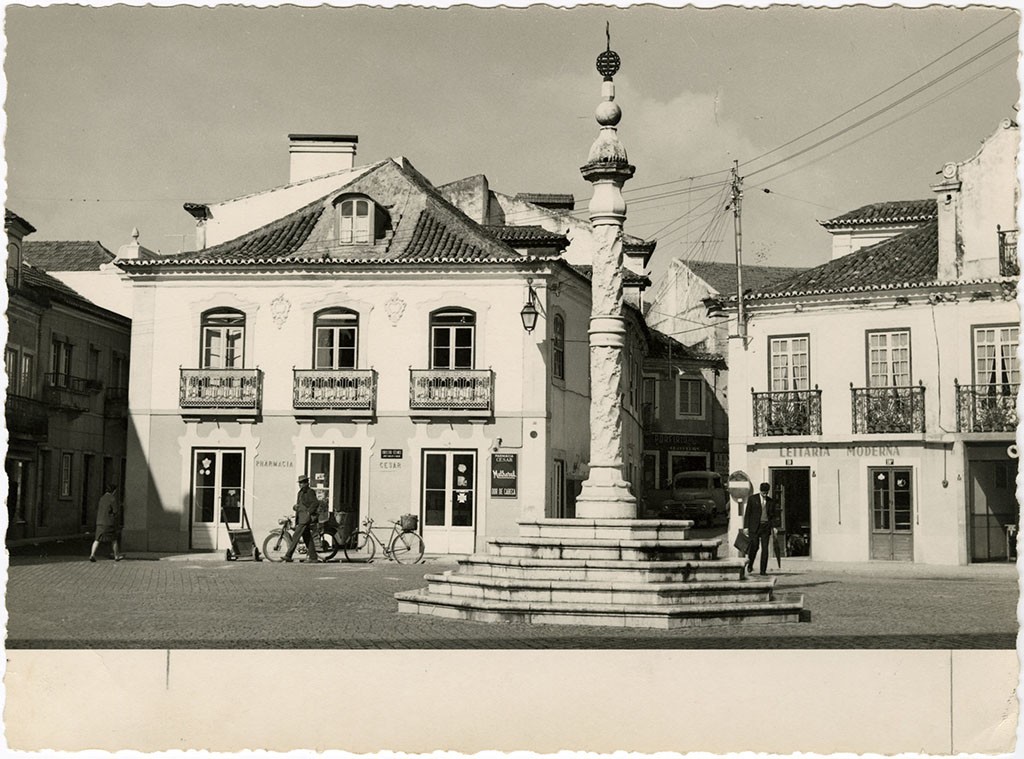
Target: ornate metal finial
x,y
608,62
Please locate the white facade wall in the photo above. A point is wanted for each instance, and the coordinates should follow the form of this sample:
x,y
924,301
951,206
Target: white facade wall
x,y
986,201
535,418
104,287
941,351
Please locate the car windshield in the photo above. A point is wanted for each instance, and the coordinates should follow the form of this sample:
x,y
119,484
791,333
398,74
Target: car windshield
x,y
698,482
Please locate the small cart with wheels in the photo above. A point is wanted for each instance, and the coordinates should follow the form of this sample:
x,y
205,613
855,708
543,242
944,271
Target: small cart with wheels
x,y
242,542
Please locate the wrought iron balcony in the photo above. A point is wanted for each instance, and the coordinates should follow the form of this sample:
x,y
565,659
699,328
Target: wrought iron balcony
x,y
67,392
1009,266
986,408
335,389
71,383
221,388
787,412
466,392
26,418
887,409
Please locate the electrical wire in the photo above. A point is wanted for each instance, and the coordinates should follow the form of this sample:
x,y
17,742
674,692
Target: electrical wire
x,y
888,124
882,110
887,89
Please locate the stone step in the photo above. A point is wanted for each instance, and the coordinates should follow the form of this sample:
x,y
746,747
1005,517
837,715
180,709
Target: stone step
x,y
453,583
606,615
608,529
602,570
608,549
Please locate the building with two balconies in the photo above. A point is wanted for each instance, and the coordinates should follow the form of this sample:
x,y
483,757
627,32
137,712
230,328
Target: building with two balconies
x,y
883,384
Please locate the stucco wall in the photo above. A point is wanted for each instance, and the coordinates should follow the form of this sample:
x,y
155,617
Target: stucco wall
x,y
532,417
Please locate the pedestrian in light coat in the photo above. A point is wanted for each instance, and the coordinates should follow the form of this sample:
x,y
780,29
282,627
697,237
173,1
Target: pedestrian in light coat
x,y
108,523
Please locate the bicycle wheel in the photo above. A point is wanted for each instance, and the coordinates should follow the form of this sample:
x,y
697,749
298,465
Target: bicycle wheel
x,y
407,548
328,546
360,547
276,545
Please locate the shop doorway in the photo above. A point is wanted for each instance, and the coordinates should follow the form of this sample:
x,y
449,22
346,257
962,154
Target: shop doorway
x,y
449,501
991,502
791,488
217,495
334,475
892,513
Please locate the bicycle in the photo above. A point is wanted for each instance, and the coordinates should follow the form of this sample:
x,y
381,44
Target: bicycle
x,y
328,539
404,545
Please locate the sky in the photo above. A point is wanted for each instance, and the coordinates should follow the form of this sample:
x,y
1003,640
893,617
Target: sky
x,y
116,116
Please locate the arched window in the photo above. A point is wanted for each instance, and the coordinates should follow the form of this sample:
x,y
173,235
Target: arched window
x,y
335,339
355,220
558,347
223,339
452,338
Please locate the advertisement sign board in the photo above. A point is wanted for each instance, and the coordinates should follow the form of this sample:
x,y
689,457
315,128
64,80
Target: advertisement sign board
x,y
504,475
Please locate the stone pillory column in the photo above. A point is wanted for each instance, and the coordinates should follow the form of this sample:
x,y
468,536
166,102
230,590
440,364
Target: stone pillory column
x,y
605,493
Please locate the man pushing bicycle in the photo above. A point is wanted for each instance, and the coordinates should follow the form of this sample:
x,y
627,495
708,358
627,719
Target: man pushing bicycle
x,y
307,510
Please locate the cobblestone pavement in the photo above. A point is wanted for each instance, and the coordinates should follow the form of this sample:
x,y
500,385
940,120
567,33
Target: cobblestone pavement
x,y
60,600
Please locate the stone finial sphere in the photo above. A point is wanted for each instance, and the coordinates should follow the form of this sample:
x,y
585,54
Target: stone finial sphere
x,y
608,113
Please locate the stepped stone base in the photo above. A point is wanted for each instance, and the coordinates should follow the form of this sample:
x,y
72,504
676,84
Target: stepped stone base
x,y
605,572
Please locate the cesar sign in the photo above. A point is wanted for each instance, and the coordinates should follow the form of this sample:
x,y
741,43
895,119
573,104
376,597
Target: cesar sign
x,y
504,475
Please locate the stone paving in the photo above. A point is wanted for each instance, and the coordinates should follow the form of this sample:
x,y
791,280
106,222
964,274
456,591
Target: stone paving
x,y
60,600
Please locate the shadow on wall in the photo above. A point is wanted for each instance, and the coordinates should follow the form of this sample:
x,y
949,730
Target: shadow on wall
x,y
148,524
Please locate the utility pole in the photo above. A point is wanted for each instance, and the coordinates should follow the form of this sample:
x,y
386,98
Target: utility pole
x,y
737,197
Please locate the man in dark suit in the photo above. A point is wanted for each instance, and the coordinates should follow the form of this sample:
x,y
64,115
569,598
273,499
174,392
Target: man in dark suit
x,y
760,522
307,509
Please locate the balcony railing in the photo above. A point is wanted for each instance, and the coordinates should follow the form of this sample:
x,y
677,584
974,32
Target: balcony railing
x,y
457,390
221,388
888,409
1009,266
26,417
787,412
67,392
335,389
71,383
986,408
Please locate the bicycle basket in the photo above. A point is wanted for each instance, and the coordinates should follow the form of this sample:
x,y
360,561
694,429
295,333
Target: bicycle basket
x,y
409,522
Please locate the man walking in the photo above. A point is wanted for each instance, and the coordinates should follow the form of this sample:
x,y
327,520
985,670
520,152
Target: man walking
x,y
760,522
307,508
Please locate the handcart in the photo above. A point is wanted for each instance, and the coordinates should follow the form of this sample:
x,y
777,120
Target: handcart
x,y
242,541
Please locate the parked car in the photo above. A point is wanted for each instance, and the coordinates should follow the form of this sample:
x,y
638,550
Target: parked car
x,y
698,496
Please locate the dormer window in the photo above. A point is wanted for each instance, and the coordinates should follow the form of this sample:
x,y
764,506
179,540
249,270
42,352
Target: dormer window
x,y
355,221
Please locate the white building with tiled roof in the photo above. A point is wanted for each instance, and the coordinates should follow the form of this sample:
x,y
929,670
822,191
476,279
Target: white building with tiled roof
x,y
84,266
366,328
883,384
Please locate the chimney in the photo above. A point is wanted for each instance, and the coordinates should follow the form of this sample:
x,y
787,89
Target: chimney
x,y
313,155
